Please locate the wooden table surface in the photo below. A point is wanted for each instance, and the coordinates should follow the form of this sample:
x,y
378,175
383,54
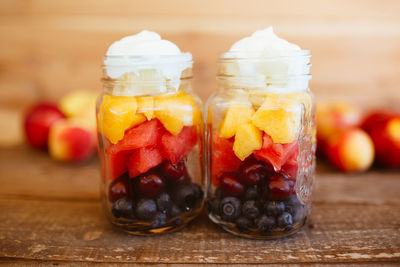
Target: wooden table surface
x,y
51,215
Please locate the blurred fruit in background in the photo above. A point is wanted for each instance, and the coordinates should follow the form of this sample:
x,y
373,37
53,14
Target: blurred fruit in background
x,y
334,116
80,104
38,121
352,142
71,141
350,150
68,129
384,129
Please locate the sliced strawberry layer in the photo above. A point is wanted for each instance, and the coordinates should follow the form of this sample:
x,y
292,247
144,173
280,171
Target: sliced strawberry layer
x,y
276,154
223,158
144,135
176,147
143,159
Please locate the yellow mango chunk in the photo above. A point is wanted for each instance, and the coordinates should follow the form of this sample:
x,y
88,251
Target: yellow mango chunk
x,y
247,139
145,105
236,115
279,117
117,114
176,111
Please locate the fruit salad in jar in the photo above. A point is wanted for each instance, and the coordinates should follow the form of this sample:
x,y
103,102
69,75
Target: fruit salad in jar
x,y
150,136
261,139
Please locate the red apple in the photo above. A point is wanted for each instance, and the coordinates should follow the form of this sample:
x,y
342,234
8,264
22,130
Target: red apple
x,y
38,120
350,150
71,141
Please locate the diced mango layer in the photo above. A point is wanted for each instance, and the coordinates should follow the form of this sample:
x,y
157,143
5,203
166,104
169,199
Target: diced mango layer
x,y
236,115
279,117
247,139
175,111
146,106
118,113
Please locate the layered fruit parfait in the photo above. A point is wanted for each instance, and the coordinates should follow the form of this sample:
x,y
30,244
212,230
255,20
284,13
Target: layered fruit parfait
x,y
150,136
261,139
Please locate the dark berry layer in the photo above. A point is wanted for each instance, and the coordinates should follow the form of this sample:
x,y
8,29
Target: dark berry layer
x,y
257,200
157,196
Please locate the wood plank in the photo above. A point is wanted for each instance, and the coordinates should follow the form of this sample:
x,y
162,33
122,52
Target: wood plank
x,y
78,231
311,9
41,263
52,47
29,173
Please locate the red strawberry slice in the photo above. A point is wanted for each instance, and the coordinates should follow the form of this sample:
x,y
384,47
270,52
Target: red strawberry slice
x,y
144,135
176,147
144,159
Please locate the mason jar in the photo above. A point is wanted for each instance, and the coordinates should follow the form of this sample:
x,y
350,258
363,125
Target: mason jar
x,y
261,145
150,133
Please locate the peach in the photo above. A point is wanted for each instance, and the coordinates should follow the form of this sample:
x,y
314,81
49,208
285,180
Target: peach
x,y
71,141
350,150
375,118
37,123
335,116
80,104
386,138
77,103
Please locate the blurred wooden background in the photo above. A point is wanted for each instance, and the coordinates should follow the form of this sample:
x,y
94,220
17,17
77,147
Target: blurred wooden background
x,y
50,47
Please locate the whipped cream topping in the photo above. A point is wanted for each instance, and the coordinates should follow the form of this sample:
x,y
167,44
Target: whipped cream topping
x,y
272,62
146,51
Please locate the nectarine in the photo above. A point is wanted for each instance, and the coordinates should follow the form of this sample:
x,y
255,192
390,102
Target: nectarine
x,y
386,138
335,116
350,150
37,123
71,141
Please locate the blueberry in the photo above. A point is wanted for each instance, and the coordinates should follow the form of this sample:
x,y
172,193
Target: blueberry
x,y
123,207
160,220
146,209
174,211
213,205
164,202
230,208
250,209
274,208
292,204
285,220
251,193
243,224
186,196
265,224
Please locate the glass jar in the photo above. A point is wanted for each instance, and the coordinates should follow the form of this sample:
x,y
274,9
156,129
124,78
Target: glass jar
x,y
150,145
261,145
